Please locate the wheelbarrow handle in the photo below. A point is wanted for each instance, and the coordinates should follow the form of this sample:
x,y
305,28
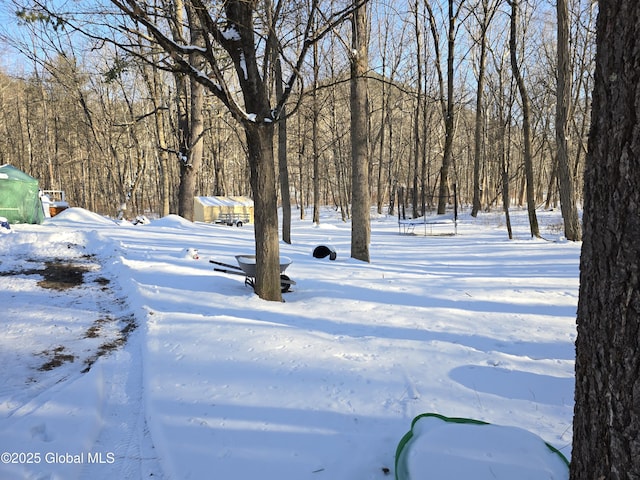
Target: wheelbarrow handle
x,y
227,265
232,272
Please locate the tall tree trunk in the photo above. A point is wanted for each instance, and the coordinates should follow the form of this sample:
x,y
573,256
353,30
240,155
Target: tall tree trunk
x,y
283,165
606,424
182,110
381,154
315,141
190,164
263,184
151,77
487,15
190,101
504,166
338,157
163,156
360,223
526,124
567,195
385,114
447,159
417,144
301,164
477,148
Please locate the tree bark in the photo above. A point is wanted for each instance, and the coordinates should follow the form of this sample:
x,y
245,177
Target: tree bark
x,y
606,426
360,223
567,196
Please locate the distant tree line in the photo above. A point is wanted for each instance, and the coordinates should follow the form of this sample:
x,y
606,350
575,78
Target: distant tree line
x,y
105,126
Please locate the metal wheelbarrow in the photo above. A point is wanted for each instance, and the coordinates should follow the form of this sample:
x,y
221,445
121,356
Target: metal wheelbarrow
x,y
247,267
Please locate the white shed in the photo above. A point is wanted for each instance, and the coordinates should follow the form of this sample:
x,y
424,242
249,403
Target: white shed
x,y
223,209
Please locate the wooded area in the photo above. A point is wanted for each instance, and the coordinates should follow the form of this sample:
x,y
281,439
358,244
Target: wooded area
x,y
493,96
105,125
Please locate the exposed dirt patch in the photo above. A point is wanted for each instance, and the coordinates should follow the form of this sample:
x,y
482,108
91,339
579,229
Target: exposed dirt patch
x,y
55,358
102,281
63,310
95,329
127,325
62,276
58,275
111,328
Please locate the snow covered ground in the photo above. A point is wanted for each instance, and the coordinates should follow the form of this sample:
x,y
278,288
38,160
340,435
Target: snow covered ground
x,y
135,361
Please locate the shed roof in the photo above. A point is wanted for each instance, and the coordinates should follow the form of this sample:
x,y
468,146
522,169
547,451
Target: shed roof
x,y
226,201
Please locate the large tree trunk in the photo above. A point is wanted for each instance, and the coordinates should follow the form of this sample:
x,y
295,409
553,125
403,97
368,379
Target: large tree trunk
x,y
360,225
191,152
263,185
526,123
260,136
567,196
192,157
606,426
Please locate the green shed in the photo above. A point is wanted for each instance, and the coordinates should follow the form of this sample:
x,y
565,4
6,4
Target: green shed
x,y
19,196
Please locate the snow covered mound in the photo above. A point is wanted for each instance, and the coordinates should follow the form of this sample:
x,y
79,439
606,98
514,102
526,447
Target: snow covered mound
x,y
173,221
441,448
76,215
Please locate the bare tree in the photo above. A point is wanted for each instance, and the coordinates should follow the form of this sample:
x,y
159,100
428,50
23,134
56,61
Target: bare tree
x,y
151,75
606,425
488,11
190,103
526,123
563,93
360,223
233,55
446,98
283,162
418,145
315,140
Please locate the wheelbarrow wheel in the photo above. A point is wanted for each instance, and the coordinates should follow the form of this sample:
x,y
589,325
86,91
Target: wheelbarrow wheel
x,y
285,283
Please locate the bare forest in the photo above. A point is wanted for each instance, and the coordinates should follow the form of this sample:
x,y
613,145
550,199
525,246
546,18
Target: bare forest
x,y
91,112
